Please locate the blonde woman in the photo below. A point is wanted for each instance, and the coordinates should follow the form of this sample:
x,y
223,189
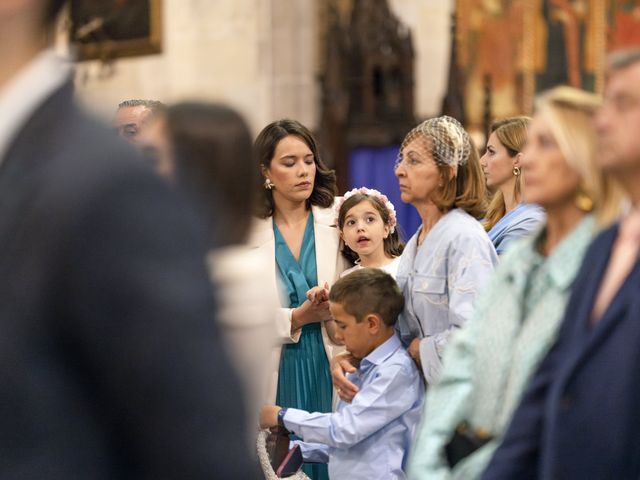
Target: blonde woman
x,y
487,365
508,217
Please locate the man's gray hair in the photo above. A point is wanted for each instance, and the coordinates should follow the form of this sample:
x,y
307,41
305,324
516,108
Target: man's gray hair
x,y
620,59
154,105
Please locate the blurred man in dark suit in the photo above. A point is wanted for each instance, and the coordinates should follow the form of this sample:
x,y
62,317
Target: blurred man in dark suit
x,y
111,366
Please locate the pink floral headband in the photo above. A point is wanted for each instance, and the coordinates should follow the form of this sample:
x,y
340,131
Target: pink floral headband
x,y
371,193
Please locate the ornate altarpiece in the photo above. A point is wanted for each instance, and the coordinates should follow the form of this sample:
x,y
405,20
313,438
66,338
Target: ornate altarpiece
x,y
509,50
367,85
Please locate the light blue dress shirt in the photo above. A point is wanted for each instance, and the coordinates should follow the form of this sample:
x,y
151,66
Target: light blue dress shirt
x,y
369,438
440,281
523,220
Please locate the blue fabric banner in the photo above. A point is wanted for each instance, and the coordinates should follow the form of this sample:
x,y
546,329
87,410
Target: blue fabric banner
x,y
372,167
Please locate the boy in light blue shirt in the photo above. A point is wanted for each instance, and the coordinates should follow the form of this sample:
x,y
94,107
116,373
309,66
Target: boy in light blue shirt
x,y
370,437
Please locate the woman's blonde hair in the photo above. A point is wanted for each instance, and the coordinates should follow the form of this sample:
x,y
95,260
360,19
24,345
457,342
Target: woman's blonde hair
x,y
512,134
569,112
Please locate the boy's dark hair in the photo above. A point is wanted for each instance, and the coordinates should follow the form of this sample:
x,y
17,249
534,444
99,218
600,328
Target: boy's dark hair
x,y
366,291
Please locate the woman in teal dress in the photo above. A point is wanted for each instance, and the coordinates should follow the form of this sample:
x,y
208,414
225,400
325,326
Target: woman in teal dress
x,y
299,232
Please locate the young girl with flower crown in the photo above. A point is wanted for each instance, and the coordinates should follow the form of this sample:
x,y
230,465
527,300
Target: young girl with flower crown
x,y
367,223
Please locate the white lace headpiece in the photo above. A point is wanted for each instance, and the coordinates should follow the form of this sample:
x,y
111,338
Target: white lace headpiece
x,y
449,142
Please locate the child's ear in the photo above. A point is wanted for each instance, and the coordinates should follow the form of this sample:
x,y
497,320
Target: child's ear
x,y
387,231
373,323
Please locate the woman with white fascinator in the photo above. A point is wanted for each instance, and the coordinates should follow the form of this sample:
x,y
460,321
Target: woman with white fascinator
x,y
450,257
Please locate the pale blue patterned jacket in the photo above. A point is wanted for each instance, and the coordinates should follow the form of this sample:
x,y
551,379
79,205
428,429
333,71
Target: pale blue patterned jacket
x,y
487,364
440,281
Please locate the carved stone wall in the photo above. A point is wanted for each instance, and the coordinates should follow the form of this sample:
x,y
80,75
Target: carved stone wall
x,y
263,57
257,55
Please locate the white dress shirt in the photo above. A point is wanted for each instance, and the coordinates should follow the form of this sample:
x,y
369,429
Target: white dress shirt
x,y
26,91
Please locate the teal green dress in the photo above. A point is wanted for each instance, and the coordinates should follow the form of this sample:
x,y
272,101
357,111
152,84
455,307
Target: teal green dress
x,y
304,380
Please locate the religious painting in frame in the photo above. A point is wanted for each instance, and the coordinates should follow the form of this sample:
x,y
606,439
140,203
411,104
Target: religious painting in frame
x,y
624,24
108,29
510,50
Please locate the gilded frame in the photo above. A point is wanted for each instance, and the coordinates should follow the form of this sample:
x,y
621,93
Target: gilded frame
x,y
92,39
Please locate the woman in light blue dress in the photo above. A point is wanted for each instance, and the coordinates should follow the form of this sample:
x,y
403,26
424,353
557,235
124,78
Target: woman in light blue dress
x,y
507,217
450,258
448,261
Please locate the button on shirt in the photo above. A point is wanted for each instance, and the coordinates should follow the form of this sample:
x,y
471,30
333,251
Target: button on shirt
x,y
370,437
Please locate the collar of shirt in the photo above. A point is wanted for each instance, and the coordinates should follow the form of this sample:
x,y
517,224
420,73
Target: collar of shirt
x,y
380,354
563,262
27,90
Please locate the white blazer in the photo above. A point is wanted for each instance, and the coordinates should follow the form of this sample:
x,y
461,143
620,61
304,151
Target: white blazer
x,y
330,264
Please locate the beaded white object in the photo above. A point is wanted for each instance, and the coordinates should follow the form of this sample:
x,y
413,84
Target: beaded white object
x,y
265,462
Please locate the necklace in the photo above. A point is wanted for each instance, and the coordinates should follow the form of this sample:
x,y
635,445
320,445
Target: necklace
x,y
421,236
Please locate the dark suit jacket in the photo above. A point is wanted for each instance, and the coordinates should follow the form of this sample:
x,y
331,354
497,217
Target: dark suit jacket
x,y
580,416
111,365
